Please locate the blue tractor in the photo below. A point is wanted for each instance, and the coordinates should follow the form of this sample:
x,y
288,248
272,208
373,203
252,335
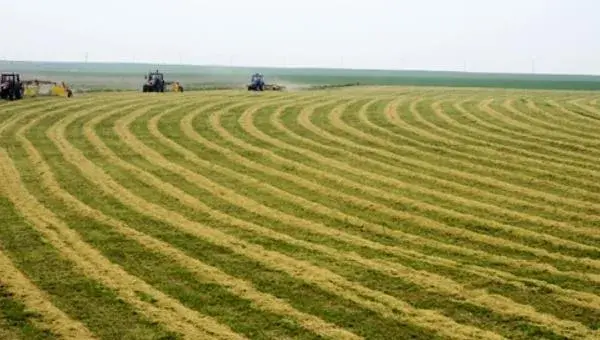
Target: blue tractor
x,y
257,83
155,82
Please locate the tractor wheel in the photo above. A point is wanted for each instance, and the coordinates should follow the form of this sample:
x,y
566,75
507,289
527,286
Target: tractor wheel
x,y
69,93
18,94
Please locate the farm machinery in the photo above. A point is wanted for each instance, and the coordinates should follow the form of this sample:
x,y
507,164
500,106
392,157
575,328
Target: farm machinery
x,y
257,83
155,82
12,87
32,88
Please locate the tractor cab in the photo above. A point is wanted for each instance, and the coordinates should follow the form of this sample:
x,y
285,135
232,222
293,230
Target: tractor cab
x,y
256,78
154,76
11,87
257,82
158,76
9,78
154,82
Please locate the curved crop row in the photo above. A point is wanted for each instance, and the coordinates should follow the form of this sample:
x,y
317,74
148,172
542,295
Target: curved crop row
x,y
359,213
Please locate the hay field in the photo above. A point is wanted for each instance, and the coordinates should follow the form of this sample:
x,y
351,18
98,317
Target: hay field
x,y
363,213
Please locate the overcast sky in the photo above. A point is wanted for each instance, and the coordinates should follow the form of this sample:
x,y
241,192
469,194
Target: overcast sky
x,y
484,35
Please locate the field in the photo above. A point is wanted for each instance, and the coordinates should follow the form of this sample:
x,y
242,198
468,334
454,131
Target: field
x,y
105,77
365,212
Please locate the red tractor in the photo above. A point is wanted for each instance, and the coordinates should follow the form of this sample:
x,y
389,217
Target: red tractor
x,y
11,87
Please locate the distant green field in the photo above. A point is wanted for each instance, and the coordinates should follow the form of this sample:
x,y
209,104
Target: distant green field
x,y
358,213
96,76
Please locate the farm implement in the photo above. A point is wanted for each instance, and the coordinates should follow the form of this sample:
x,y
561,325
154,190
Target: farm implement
x,y
12,87
33,88
155,82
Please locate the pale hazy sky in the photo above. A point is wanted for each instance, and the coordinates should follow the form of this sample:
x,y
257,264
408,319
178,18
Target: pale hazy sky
x,y
487,35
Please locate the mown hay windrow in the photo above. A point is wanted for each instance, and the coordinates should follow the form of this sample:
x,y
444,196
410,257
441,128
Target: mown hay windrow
x,y
431,209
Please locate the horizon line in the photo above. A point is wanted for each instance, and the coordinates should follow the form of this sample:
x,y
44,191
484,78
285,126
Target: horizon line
x,y
298,67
